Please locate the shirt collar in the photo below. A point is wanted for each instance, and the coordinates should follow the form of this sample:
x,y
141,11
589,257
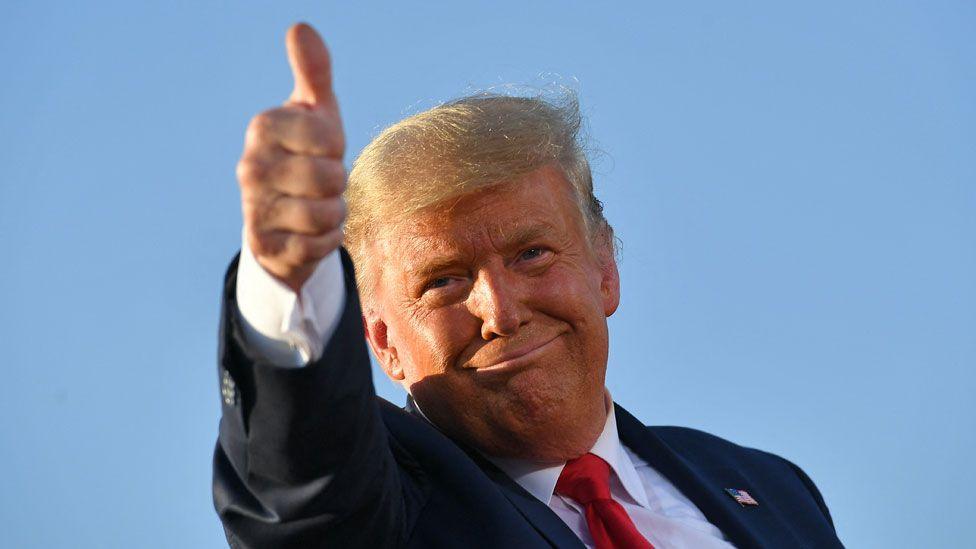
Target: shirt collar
x,y
539,478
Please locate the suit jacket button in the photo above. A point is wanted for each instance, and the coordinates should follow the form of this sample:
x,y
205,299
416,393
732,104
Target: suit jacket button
x,y
228,389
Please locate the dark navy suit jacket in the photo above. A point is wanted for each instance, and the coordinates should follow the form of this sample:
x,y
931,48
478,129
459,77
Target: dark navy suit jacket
x,y
310,457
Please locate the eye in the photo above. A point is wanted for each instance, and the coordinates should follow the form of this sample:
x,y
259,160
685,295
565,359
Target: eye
x,y
532,253
442,290
438,282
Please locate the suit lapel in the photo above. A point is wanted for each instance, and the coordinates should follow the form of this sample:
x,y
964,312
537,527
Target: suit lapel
x,y
705,487
538,514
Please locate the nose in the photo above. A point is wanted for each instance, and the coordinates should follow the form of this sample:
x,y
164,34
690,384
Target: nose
x,y
497,299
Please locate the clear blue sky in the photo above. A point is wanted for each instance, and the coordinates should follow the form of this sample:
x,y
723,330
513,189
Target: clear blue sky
x,y
794,186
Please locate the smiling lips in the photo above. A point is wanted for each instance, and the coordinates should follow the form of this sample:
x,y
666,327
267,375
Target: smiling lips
x,y
517,358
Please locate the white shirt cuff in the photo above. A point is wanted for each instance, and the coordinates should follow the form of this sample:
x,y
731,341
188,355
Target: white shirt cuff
x,y
285,329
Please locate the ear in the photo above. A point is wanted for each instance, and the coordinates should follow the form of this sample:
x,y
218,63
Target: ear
x,y
379,343
609,276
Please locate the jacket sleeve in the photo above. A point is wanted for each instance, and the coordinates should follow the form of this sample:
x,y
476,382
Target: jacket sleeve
x,y
303,458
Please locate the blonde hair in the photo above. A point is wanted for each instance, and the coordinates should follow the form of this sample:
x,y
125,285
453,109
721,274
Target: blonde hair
x,y
460,147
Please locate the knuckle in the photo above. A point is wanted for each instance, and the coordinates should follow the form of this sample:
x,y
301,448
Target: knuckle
x,y
333,145
324,134
337,212
332,129
331,177
337,177
251,170
325,219
327,215
259,127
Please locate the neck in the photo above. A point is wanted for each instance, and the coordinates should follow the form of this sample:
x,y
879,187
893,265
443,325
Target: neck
x,y
572,435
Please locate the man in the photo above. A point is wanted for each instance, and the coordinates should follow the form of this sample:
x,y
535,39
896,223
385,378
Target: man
x,y
485,273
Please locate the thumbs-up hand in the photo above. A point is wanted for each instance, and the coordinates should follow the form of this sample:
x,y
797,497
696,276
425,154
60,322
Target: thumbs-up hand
x,y
291,173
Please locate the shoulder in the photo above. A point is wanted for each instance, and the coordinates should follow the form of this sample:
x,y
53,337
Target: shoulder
x,y
708,450
700,446
702,442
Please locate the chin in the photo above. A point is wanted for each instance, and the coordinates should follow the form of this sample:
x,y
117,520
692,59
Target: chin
x,y
551,447
545,426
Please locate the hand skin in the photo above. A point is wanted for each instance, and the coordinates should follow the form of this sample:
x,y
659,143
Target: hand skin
x,y
291,173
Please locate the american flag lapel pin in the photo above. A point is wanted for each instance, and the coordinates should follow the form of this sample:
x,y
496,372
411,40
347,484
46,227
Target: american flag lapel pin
x,y
742,497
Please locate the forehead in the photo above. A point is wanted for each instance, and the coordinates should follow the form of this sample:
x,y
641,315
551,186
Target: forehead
x,y
533,206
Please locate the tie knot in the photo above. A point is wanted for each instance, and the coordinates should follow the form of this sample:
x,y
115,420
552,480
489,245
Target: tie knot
x,y
585,479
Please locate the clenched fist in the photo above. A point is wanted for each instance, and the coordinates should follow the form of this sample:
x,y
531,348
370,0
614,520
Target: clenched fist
x,y
291,173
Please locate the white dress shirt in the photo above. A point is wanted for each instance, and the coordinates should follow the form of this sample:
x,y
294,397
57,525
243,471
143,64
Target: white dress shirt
x,y
284,329
291,330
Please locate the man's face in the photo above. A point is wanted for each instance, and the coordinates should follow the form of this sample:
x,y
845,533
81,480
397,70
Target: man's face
x,y
491,309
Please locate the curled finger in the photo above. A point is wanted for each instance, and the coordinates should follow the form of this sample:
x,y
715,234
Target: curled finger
x,y
307,216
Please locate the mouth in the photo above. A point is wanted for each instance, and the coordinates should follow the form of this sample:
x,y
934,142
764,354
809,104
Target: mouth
x,y
518,359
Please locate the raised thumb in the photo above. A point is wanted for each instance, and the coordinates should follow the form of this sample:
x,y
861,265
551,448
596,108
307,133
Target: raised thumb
x,y
310,65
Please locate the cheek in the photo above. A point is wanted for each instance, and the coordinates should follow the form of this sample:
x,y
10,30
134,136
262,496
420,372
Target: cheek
x,y
573,297
572,293
433,343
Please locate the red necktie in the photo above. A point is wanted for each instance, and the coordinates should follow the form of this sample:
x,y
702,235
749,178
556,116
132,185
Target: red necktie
x,y
586,480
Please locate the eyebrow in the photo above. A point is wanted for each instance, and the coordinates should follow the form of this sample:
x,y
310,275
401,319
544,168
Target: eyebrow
x,y
514,238
433,266
521,235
